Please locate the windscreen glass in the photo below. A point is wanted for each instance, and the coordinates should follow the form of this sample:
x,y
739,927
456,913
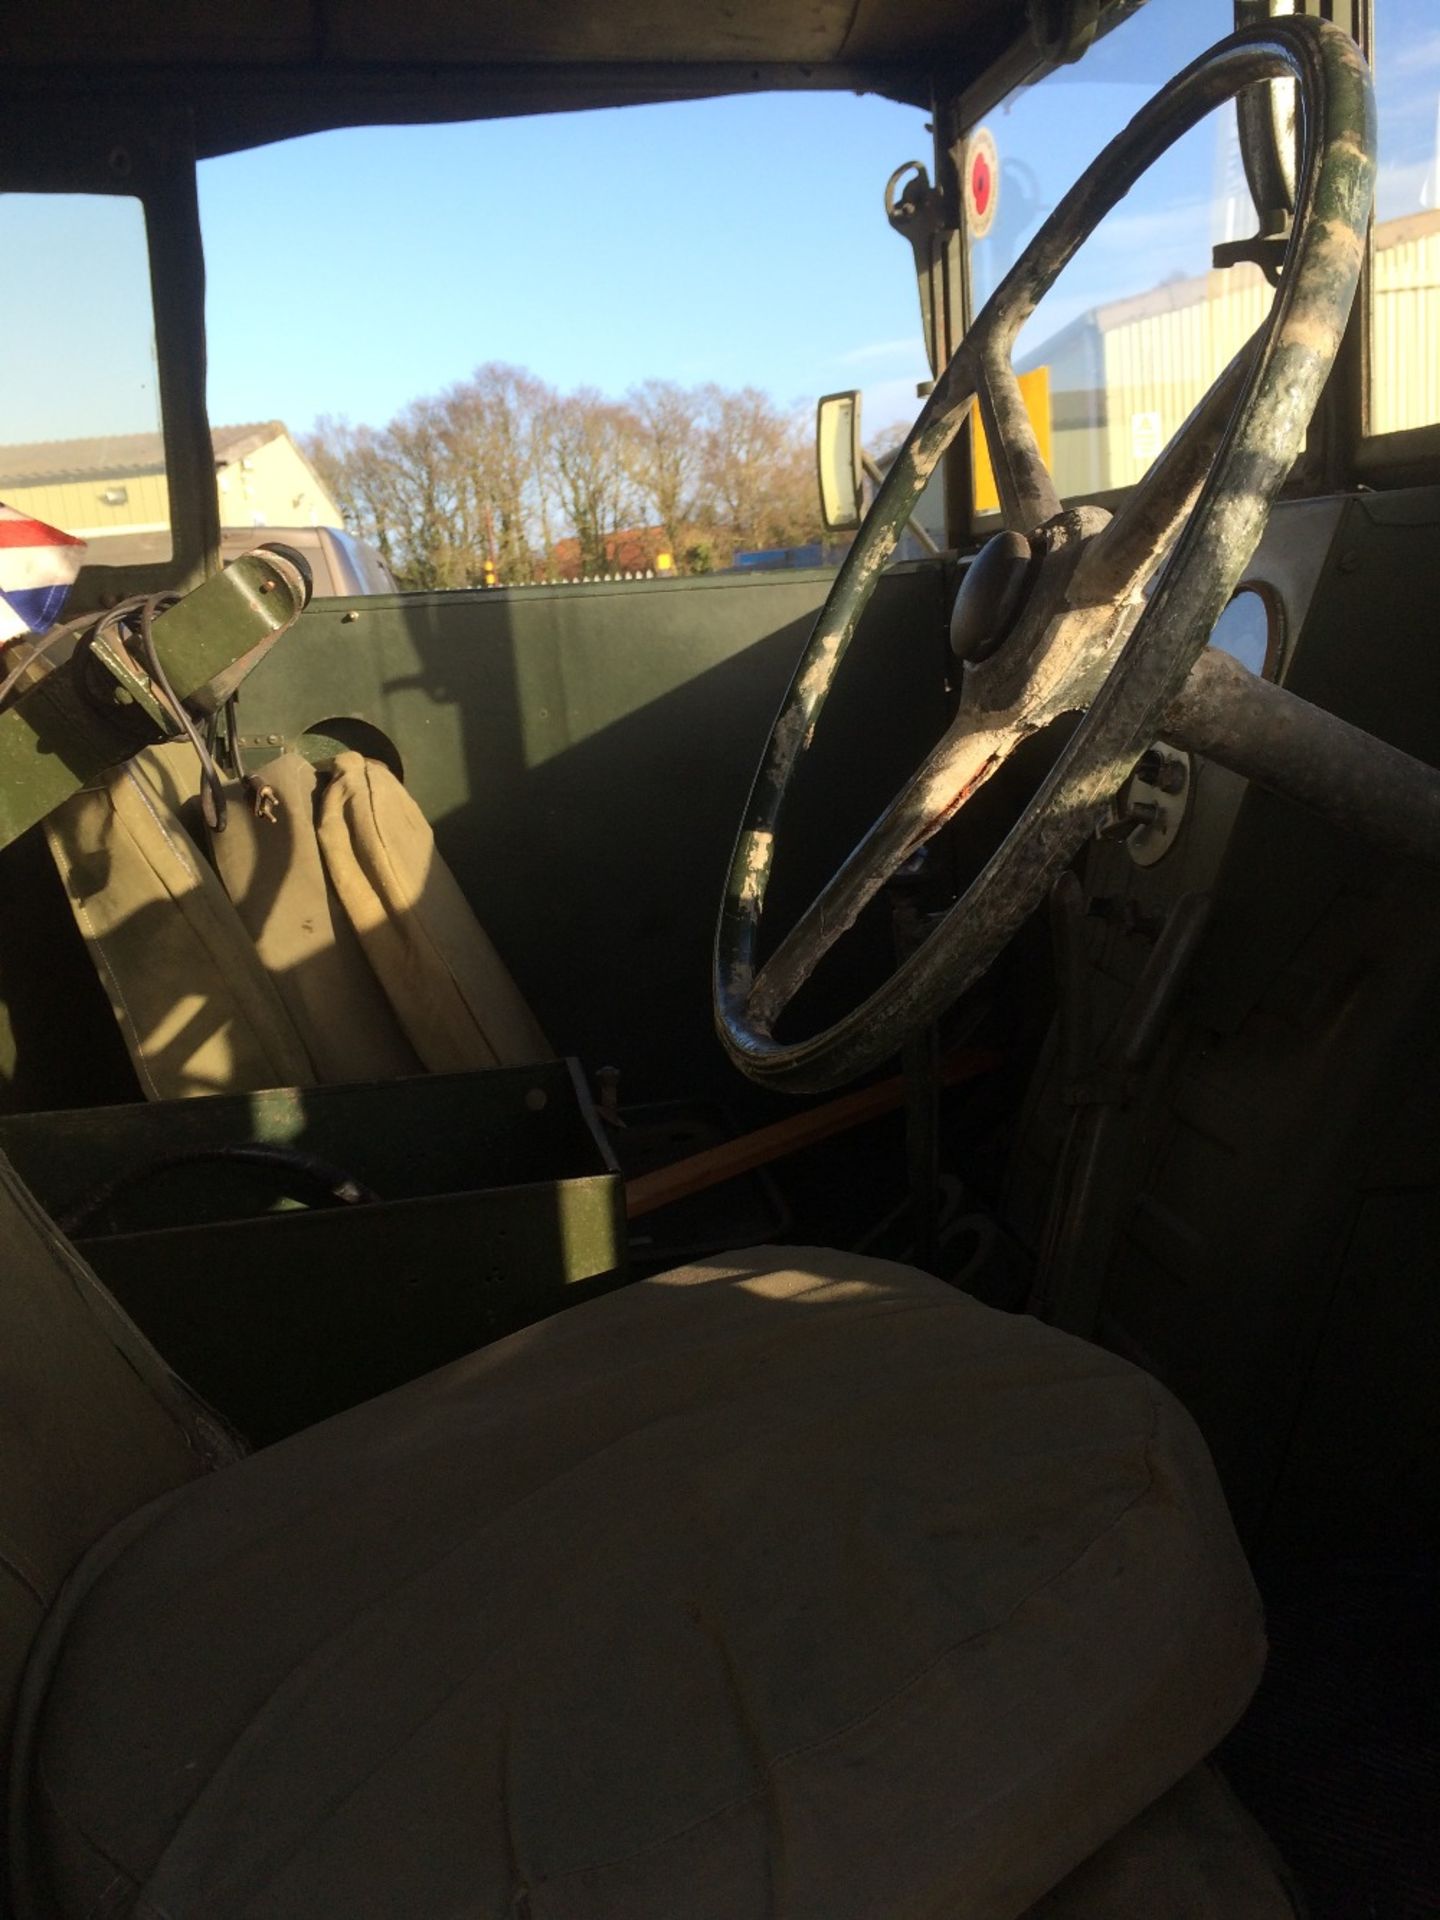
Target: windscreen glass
x,y
566,347
1141,321
1405,284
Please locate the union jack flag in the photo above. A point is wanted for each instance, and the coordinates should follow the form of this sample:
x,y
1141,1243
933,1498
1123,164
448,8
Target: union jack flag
x,y
37,565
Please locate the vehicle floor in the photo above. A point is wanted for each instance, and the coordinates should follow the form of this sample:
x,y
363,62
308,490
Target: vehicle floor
x,y
1339,1756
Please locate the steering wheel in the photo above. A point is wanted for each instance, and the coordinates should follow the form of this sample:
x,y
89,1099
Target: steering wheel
x,y
1064,610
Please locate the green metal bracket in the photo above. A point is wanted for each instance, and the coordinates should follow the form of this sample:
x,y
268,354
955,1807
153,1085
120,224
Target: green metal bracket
x,y
98,707
131,687
222,631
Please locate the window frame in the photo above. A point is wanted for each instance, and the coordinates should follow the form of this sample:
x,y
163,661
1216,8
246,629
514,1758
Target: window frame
x,y
146,155
1405,456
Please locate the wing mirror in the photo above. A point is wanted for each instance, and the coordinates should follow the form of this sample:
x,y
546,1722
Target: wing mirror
x,y
840,461
844,467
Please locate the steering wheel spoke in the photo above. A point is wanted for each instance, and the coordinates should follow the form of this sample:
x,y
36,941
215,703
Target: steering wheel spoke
x,y
967,756
1027,492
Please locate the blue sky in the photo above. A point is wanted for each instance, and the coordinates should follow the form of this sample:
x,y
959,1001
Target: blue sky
x,y
741,241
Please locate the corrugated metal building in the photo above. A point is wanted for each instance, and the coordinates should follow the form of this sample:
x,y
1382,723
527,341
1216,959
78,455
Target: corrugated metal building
x,y
1124,376
1406,350
117,484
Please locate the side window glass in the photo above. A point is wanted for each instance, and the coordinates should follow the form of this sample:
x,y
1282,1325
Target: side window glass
x,y
1405,286
80,439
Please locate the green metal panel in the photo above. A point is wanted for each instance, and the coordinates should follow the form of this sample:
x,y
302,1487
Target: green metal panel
x,y
584,753
441,1133
285,1319
55,740
1246,1199
498,1203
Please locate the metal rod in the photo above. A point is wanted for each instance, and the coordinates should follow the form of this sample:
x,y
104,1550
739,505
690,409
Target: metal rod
x,y
1070,1273
1284,744
877,475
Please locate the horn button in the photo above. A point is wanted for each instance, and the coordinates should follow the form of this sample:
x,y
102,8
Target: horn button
x,y
991,596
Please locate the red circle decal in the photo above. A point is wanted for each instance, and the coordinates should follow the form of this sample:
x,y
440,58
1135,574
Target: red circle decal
x,y
982,183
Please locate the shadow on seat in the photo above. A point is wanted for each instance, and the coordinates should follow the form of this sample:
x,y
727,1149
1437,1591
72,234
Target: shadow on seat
x,y
304,955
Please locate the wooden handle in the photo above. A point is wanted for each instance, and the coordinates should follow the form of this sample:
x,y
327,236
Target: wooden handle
x,y
715,1165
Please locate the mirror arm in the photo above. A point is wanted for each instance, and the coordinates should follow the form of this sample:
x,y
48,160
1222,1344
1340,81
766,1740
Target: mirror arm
x,y
875,474
921,215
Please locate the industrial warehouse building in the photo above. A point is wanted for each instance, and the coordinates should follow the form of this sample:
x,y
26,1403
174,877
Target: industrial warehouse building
x,y
115,484
1123,376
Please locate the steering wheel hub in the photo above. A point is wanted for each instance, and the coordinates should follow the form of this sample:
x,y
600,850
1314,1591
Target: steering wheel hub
x,y
991,596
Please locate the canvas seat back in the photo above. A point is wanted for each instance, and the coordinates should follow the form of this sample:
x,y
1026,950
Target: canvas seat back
x,y
308,952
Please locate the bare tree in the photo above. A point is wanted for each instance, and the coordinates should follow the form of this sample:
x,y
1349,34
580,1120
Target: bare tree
x,y
758,472
355,464
496,434
443,551
667,454
590,452
470,486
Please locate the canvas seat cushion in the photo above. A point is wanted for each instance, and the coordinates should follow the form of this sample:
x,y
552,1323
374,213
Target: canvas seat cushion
x,y
195,1006
791,1583
449,988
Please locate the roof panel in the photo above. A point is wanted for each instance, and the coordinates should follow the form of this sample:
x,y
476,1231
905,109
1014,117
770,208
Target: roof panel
x,y
256,70
117,455
498,32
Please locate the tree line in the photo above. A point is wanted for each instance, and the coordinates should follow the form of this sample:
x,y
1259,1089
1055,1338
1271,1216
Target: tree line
x,y
502,479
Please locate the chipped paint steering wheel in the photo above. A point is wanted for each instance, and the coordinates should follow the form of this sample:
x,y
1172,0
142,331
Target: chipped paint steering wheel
x,y
1108,626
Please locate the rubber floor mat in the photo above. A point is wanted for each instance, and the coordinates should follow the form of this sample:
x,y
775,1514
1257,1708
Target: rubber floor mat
x,y
1339,1757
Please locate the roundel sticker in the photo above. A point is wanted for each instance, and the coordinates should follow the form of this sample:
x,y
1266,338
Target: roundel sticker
x,y
982,182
